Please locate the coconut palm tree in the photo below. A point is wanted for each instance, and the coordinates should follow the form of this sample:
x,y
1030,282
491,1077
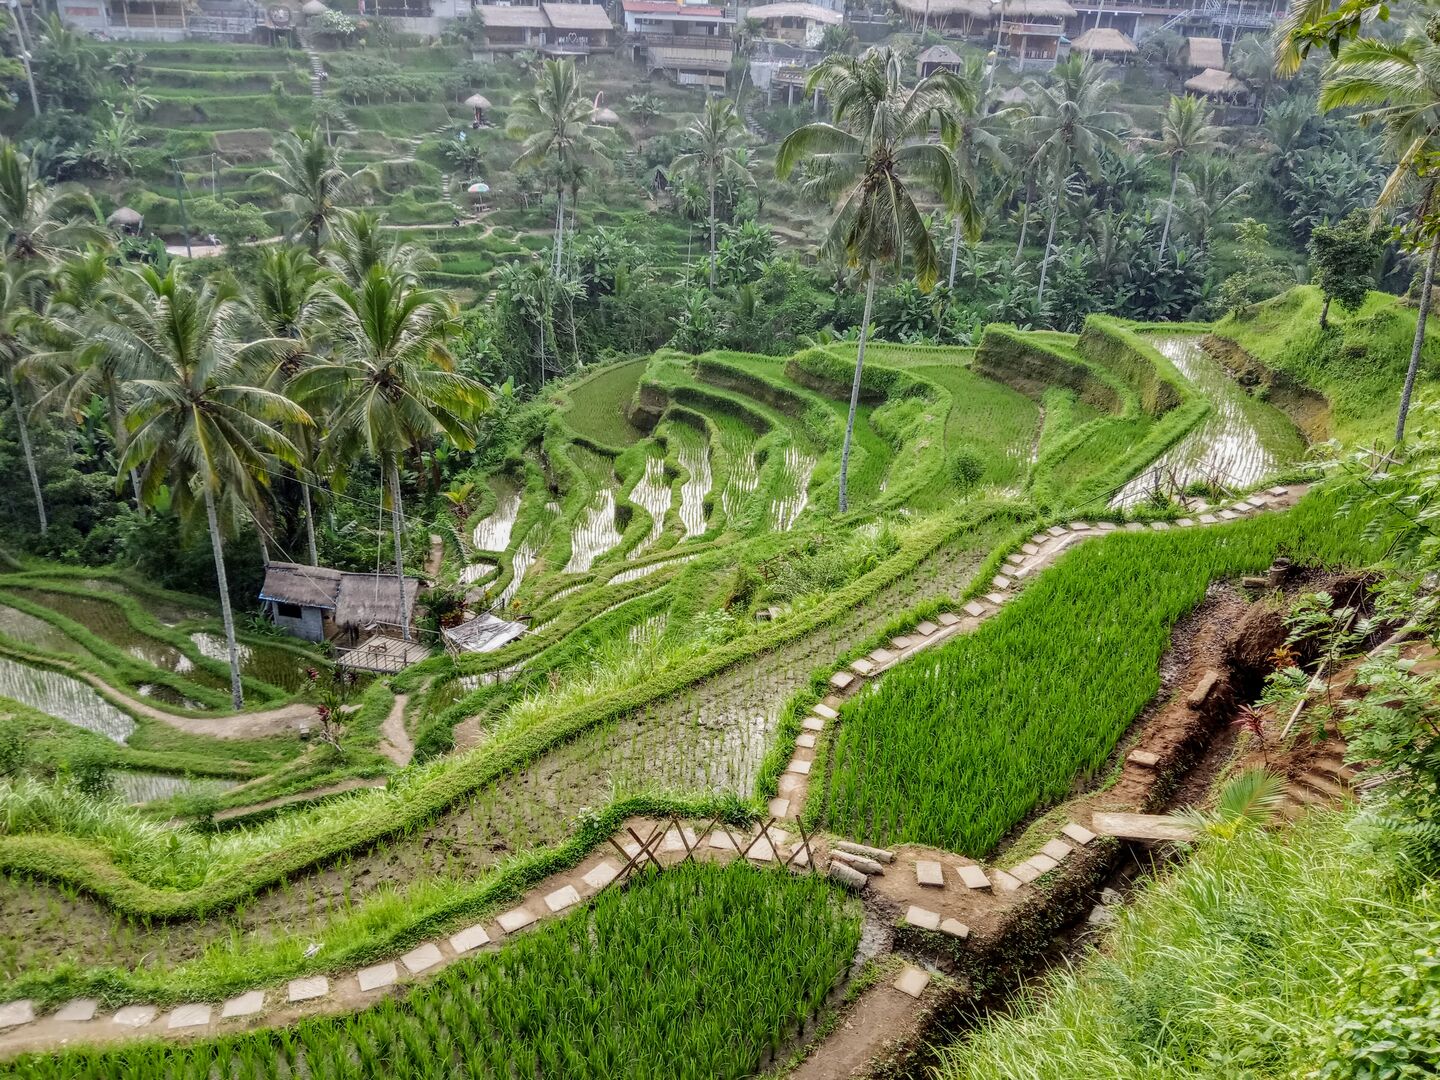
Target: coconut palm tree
x,y
311,181
716,137
879,142
389,382
552,120
1070,125
978,150
287,284
197,421
1210,199
17,283
38,221
358,242
1397,83
1184,130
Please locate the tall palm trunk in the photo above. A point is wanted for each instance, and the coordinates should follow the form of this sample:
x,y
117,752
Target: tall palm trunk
x,y
309,523
559,226
855,392
1024,219
1169,209
954,251
1421,316
237,693
27,450
1049,240
399,551
712,228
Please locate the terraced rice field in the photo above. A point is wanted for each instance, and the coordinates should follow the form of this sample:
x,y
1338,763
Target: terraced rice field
x,y
1237,446
694,457
60,695
652,494
493,532
794,489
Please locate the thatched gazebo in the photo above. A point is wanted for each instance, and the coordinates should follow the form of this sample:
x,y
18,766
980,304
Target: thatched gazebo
x,y
963,15
312,8
1214,83
478,102
127,221
1104,43
1205,52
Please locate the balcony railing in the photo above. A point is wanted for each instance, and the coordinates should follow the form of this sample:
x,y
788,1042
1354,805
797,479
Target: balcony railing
x,y
1019,29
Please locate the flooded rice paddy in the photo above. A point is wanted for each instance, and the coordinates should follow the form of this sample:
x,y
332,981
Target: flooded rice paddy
x,y
493,533
595,532
142,787
652,493
1240,443
794,495
694,457
63,697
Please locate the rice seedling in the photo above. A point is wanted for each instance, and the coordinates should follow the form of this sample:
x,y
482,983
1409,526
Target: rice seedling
x,y
702,971
652,493
955,749
492,533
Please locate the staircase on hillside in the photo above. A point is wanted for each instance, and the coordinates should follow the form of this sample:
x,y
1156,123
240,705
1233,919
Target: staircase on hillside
x,y
1326,781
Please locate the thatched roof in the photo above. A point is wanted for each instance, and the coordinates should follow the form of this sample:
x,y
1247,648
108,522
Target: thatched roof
x,y
313,7
356,600
1214,83
577,16
976,9
1104,41
1205,52
125,216
295,583
605,117
1036,9
477,101
808,12
939,54
1016,95
500,17
482,634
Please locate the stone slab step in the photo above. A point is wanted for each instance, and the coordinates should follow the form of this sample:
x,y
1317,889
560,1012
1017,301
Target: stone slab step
x,y
972,877
912,981
422,958
1140,826
377,977
246,1004
928,872
924,918
472,937
1077,832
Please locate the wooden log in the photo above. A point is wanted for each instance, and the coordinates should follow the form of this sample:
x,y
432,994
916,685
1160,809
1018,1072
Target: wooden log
x,y
1140,826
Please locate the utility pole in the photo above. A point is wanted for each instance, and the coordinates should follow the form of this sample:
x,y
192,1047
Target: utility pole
x,y
24,53
180,195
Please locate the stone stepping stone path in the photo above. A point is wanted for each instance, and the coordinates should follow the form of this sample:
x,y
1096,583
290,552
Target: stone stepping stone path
x,y
378,977
247,1004
912,981
421,959
78,1011
188,1016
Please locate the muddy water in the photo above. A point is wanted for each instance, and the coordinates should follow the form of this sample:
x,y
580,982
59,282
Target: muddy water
x,y
595,532
694,457
711,737
652,492
786,509
1240,443
493,533
142,787
61,696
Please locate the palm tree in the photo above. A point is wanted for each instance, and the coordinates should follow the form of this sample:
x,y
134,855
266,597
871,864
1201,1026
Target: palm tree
x,y
1071,126
1398,84
716,136
1211,199
37,220
389,383
553,121
311,181
879,140
112,147
17,283
645,107
1184,130
196,420
978,149
284,302
358,241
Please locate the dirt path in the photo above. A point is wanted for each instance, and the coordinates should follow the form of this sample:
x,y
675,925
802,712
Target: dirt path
x,y
395,741
246,725
301,796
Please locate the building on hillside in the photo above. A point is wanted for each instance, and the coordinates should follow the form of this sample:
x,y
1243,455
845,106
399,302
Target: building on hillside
x,y
1204,52
556,30
1227,19
1031,30
938,58
795,24
320,604
967,17
691,43
1233,100
1106,43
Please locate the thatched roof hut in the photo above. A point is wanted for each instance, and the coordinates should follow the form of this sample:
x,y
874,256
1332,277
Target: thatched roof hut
x,y
126,219
1104,41
577,16
938,58
1020,10
477,101
1217,84
975,10
301,598
1016,95
605,117
313,8
1205,52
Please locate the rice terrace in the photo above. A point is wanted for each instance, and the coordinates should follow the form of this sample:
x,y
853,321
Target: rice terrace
x,y
647,539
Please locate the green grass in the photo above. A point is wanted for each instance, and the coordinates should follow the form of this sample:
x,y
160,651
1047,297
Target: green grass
x,y
954,751
1237,964
1359,363
701,971
596,407
988,417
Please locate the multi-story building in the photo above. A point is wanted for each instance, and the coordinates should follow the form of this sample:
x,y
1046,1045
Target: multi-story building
x,y
691,43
